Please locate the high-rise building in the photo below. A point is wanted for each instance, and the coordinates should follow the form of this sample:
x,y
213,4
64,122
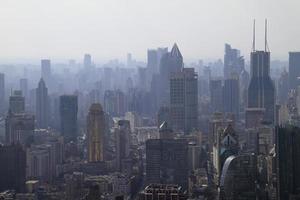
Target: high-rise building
x,y
294,69
87,60
24,87
231,96
216,95
17,102
122,136
95,133
42,105
19,128
283,87
166,162
170,62
46,69
261,91
152,61
233,62
68,116
2,93
288,162
12,168
184,100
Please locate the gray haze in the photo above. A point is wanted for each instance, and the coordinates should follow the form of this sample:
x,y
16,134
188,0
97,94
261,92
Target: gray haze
x,y
62,29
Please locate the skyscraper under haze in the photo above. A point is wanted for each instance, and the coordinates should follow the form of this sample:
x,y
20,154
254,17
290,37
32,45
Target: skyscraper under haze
x,y
2,92
68,116
46,69
231,96
261,91
87,60
24,87
169,63
42,105
95,133
216,97
294,69
184,100
233,62
17,102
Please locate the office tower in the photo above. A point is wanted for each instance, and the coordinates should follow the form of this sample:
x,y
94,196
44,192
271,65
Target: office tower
x,y
169,63
95,133
239,177
166,161
24,87
87,61
114,103
42,105
261,90
294,69
46,70
122,136
288,162
142,78
17,102
184,100
2,93
216,95
162,191
254,117
19,128
233,62
152,61
231,96
12,168
243,85
68,116
283,87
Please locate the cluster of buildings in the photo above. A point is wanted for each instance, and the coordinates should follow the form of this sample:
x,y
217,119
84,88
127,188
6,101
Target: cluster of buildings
x,y
157,130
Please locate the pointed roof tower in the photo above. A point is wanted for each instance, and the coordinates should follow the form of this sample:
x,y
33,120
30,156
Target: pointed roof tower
x,y
175,51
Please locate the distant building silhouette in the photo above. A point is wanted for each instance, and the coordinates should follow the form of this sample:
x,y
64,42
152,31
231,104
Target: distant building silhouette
x,y
46,70
294,69
68,116
17,102
231,96
2,93
42,105
216,95
233,62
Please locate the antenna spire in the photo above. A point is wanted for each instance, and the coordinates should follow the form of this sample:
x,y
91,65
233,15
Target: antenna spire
x,y
253,42
266,35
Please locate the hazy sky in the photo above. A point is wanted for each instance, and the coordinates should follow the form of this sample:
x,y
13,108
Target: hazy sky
x,y
64,29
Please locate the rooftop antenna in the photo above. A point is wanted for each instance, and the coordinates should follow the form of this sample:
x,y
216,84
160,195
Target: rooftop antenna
x,y
266,36
253,42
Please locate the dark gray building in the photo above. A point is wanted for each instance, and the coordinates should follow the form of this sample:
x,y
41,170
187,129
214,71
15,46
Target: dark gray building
x,y
216,95
166,161
261,90
233,62
288,162
42,105
231,96
17,102
184,100
2,93
68,116
294,69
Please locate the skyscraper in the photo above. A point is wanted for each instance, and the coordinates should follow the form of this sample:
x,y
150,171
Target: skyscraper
x,y
17,102
68,116
2,92
233,62
12,168
42,105
46,69
95,133
216,95
288,162
170,62
122,136
24,87
166,161
184,100
231,96
261,90
294,69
